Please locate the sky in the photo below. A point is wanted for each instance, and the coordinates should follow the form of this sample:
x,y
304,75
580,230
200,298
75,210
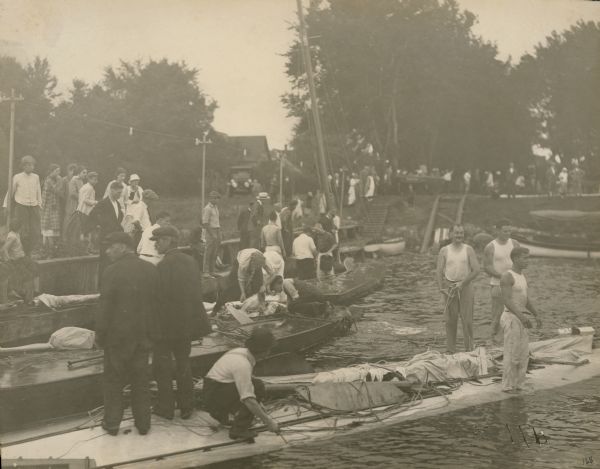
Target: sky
x,y
236,45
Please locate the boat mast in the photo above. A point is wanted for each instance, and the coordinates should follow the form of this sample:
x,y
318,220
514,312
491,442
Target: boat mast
x,y
321,166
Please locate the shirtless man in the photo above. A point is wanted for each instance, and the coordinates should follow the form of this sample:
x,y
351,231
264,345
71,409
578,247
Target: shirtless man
x,y
496,261
457,266
514,322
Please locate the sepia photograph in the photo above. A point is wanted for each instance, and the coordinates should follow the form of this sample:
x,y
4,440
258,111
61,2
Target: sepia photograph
x,y
272,234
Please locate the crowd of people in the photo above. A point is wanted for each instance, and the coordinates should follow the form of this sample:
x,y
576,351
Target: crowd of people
x,y
511,307
271,260
63,212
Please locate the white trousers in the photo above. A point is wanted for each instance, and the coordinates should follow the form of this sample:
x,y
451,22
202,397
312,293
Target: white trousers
x,y
516,352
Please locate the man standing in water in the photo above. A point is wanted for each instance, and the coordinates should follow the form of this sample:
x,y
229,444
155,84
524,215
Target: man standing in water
x,y
457,266
515,323
496,261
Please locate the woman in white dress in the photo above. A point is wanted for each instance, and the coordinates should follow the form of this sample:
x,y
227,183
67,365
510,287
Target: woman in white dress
x,y
370,189
352,189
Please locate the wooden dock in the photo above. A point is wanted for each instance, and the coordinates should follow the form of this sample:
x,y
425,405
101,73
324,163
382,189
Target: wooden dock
x,y
445,212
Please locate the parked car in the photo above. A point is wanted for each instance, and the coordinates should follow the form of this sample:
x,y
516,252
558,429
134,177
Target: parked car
x,y
240,179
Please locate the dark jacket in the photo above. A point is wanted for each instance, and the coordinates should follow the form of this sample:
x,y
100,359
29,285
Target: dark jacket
x,y
181,311
128,303
326,223
243,219
103,215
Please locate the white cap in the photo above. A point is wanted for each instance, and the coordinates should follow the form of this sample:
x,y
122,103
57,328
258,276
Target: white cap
x,y
134,177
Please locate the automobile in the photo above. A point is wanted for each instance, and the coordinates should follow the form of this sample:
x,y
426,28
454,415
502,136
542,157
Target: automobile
x,y
239,180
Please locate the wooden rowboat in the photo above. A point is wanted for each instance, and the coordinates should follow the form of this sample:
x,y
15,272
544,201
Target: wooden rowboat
x,y
39,386
24,325
344,288
390,247
559,249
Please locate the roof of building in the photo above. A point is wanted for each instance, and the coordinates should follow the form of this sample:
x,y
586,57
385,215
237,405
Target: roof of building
x,y
252,148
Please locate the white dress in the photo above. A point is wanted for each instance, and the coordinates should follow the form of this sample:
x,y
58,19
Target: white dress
x,y
352,191
370,192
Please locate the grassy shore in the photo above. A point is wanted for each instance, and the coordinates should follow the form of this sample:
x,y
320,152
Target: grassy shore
x,y
480,211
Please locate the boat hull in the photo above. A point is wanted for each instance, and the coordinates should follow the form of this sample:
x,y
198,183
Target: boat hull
x,y
549,250
42,386
25,325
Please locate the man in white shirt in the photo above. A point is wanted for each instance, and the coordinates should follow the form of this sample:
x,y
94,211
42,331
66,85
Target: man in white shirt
x,y
212,230
304,251
229,387
146,248
457,266
87,201
497,261
27,197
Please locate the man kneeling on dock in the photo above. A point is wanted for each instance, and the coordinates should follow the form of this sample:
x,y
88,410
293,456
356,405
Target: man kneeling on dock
x,y
229,387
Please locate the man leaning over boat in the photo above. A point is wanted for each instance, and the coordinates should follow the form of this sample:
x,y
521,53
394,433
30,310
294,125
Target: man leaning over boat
x,y
229,387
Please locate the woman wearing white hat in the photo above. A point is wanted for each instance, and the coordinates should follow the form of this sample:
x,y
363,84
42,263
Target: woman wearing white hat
x,y
134,192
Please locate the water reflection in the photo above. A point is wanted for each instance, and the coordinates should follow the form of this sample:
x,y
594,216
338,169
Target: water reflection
x,y
566,292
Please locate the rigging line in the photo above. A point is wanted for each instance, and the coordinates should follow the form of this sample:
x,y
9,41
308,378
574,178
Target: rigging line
x,y
132,128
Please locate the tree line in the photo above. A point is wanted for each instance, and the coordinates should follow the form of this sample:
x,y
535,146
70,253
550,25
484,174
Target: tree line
x,y
147,117
410,81
407,80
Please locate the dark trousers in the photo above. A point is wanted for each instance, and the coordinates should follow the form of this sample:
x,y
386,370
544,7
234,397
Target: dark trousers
x,y
244,240
222,399
305,269
30,229
162,360
123,365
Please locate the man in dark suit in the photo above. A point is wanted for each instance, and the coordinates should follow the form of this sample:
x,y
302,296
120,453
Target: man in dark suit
x,y
126,326
106,216
182,318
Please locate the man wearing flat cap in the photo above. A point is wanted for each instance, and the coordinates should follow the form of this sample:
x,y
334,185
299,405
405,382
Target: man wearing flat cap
x,y
126,326
182,318
212,230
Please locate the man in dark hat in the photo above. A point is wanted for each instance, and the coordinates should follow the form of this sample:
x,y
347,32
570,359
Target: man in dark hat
x,y
229,387
182,318
212,230
126,326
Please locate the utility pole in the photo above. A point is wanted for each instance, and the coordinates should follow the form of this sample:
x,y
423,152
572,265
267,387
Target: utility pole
x,y
204,142
281,159
12,99
322,167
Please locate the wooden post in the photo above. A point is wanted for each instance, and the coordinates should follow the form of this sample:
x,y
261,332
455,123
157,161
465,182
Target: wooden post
x,y
430,225
12,99
321,166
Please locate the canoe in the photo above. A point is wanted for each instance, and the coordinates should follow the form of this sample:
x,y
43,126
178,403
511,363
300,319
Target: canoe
x,y
39,386
344,288
559,249
390,247
566,216
175,444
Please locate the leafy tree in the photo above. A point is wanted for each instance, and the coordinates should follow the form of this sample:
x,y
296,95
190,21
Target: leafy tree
x,y
412,79
559,87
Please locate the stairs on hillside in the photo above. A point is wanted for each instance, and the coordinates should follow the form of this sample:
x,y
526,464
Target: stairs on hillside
x,y
376,216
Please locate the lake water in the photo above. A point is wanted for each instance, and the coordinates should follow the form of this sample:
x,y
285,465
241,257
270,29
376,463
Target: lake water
x,y
566,293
